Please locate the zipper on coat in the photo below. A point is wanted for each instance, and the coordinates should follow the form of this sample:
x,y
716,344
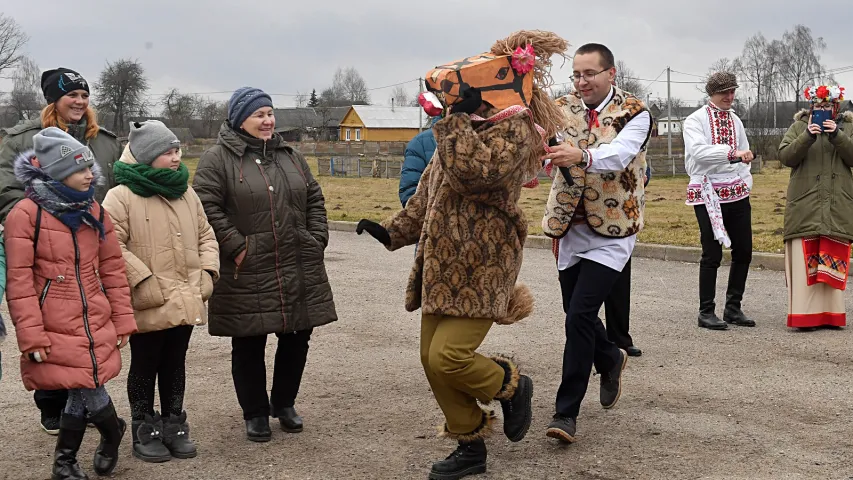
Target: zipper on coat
x,y
100,283
85,310
275,236
44,292
237,269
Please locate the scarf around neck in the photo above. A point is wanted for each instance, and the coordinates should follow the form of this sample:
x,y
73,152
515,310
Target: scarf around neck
x,y
69,206
147,181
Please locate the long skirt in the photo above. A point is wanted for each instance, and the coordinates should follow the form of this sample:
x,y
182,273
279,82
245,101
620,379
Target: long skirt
x,y
816,274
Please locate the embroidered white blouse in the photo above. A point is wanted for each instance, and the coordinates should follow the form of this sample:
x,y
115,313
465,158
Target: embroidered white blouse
x,y
581,242
711,138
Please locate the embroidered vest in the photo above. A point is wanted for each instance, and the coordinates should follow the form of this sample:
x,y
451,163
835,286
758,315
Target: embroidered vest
x,y
611,203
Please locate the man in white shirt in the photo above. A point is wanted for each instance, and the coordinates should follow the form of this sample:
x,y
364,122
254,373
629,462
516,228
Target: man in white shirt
x,y
596,218
716,153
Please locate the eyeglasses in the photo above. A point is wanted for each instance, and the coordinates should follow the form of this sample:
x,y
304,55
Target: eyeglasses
x,y
576,77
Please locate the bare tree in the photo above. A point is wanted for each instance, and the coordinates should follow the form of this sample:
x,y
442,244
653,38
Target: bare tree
x,y
724,64
26,96
627,80
179,108
759,66
212,114
301,99
561,90
399,96
12,41
330,98
120,90
802,59
349,85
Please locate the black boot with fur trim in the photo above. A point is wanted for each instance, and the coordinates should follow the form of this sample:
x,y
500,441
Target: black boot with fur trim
x,y
516,397
469,458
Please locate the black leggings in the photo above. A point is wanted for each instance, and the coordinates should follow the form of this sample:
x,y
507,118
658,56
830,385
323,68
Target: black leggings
x,y
158,357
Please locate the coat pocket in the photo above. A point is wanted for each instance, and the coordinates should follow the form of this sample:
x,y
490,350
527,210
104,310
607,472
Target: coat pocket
x,y
147,294
206,286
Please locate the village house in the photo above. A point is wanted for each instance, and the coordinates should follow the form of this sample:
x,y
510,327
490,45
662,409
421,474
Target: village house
x,y
381,124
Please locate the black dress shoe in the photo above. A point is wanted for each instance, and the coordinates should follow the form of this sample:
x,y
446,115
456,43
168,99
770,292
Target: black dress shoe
x,y
258,429
735,316
712,322
289,420
562,428
633,351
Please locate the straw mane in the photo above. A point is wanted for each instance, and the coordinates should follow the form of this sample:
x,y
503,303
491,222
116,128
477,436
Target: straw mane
x,y
545,45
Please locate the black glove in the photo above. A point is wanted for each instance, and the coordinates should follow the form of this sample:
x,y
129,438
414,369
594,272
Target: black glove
x,y
375,230
470,102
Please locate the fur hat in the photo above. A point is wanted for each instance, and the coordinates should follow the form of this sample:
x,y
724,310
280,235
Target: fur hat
x,y
721,82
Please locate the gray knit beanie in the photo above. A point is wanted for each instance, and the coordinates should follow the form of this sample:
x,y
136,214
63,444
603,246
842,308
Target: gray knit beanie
x,y
60,154
244,102
150,139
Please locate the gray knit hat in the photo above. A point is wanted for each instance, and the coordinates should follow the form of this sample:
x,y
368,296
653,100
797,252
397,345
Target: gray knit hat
x,y
150,139
244,102
60,154
721,82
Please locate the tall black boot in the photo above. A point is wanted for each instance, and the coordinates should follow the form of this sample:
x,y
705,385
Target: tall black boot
x,y
734,294
516,396
112,430
469,458
707,291
65,466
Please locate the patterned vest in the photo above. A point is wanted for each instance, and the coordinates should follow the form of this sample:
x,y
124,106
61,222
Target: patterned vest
x,y
611,203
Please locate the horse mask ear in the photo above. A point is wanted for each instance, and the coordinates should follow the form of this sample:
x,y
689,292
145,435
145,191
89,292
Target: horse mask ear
x,y
498,82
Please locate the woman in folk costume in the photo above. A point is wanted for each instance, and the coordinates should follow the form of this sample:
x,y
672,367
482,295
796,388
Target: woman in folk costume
x,y
819,212
470,232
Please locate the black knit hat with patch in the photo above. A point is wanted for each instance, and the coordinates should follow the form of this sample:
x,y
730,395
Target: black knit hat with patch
x,y
59,82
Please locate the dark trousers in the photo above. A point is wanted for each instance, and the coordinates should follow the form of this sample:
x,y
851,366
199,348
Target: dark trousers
x,y
617,309
51,402
248,368
737,218
158,357
584,287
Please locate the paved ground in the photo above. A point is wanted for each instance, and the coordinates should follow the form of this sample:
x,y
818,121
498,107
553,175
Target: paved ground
x,y
762,403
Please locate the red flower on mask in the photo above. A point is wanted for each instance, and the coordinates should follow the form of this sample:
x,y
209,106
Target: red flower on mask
x,y
523,59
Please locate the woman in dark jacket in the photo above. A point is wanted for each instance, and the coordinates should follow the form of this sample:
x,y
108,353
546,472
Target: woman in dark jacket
x,y
269,216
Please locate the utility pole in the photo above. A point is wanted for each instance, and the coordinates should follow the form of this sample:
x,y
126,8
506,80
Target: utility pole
x,y
421,111
669,118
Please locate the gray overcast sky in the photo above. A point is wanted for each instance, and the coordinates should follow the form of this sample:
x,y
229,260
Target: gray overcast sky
x,y
296,45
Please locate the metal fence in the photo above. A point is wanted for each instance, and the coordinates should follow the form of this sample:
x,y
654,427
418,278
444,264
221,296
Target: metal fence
x,y
390,167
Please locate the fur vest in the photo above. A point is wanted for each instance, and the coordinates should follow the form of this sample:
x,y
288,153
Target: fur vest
x,y
611,203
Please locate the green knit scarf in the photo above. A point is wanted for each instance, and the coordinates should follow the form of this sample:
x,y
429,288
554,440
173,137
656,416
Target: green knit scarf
x,y
147,181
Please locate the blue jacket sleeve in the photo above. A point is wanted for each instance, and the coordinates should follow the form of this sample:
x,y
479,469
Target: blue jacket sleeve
x,y
648,175
419,152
